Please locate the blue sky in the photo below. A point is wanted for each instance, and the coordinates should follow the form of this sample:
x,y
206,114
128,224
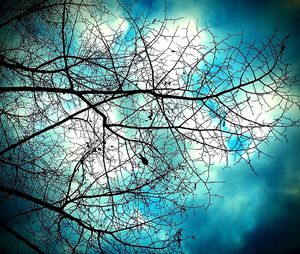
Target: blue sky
x,y
258,213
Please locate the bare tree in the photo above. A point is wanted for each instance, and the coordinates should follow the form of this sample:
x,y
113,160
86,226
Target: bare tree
x,y
110,121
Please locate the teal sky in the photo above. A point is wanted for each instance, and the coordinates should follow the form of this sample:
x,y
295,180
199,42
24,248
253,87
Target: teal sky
x,y
258,213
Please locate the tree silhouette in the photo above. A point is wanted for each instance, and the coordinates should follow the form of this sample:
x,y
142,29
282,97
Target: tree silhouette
x,y
111,120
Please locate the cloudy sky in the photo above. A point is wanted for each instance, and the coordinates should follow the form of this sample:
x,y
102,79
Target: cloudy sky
x,y
258,213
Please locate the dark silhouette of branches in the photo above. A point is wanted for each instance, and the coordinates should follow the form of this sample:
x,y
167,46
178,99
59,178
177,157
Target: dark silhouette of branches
x,y
111,120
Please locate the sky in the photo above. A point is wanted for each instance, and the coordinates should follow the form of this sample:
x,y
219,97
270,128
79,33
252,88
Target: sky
x,y
258,213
